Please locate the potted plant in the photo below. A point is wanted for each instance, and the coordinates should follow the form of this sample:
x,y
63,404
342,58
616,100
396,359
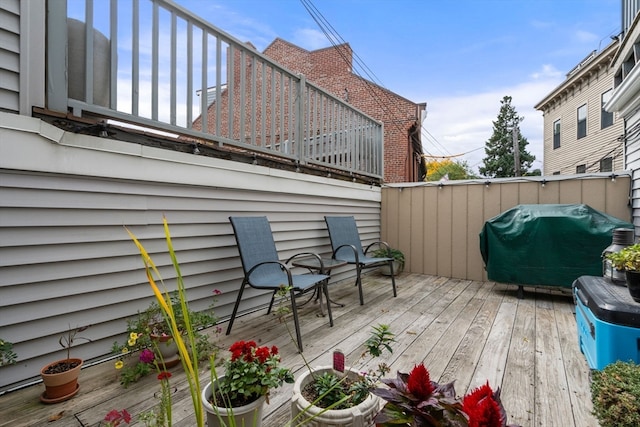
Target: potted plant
x,y
413,399
60,378
150,338
615,393
7,355
339,396
237,397
628,260
398,260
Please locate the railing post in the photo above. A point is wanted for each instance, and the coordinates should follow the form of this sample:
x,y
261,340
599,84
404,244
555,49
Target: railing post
x,y
57,55
301,119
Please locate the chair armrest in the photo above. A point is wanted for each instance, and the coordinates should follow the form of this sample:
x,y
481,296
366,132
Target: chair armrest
x,y
381,244
353,248
282,266
307,254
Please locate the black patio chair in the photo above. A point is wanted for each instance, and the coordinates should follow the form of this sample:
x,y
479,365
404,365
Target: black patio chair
x,y
347,246
263,269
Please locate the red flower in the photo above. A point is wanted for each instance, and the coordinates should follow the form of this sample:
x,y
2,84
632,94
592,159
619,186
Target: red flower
x,y
481,407
274,350
164,375
262,353
114,417
419,382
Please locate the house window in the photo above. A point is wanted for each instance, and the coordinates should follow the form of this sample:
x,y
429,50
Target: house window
x,y
556,134
606,164
556,173
582,121
606,118
581,169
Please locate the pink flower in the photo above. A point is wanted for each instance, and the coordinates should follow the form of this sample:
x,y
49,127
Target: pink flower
x,y
147,356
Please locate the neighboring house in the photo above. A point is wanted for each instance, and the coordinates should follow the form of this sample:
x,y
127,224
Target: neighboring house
x,y
331,69
579,135
625,100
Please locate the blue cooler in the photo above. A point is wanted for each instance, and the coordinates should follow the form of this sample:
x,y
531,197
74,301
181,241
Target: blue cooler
x,y
608,321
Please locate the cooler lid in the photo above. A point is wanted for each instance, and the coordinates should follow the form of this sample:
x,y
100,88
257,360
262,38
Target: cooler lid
x,y
607,301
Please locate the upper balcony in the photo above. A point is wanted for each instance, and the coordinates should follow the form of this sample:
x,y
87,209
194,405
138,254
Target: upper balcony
x,y
156,66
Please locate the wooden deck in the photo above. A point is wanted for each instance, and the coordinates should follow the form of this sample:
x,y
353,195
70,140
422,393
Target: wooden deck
x,y
468,331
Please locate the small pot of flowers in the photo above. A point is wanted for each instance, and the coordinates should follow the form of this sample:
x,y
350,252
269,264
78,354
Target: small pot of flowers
x,y
237,397
150,338
60,378
398,260
413,399
339,396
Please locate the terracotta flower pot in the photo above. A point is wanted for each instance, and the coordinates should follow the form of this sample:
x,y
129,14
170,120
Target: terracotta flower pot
x,y
307,414
249,415
60,386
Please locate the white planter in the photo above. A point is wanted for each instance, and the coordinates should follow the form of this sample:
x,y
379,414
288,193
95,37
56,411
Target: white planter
x,y
243,416
359,416
397,269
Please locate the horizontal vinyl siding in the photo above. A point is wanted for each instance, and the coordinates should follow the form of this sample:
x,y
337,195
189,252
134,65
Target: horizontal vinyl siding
x,y
9,55
633,163
597,144
66,259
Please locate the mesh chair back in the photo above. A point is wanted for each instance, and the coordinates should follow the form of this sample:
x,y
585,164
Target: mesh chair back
x,y
256,245
344,231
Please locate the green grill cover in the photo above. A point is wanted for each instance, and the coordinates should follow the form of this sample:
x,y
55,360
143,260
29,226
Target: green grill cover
x,y
549,245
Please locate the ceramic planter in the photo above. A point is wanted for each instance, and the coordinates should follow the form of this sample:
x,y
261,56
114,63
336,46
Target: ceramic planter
x,y
397,269
60,386
249,415
168,348
313,416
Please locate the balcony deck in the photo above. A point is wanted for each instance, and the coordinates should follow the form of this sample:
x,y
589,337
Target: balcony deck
x,y
462,330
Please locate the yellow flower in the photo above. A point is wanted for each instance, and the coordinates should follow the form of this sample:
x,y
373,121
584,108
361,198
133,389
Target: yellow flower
x,y
131,342
133,336
119,364
125,350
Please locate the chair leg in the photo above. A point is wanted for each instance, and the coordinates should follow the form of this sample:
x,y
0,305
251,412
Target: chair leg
x,y
325,289
359,283
393,278
235,308
294,310
273,297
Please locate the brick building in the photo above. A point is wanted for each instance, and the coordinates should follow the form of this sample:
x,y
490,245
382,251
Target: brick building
x,y
332,69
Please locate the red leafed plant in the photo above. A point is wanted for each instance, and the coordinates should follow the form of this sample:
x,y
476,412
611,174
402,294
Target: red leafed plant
x,y
414,400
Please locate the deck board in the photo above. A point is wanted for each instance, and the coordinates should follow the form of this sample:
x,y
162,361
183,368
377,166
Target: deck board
x,y
465,331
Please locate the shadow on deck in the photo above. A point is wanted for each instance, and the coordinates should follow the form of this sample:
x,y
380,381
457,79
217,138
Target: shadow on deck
x,y
466,331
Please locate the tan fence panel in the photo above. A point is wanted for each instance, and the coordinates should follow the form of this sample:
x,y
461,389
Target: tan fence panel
x,y
438,226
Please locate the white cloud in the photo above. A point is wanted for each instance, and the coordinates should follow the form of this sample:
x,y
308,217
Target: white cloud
x,y
310,39
463,123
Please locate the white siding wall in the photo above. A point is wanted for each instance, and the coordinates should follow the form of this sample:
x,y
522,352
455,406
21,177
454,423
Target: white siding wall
x,y
65,258
9,55
633,164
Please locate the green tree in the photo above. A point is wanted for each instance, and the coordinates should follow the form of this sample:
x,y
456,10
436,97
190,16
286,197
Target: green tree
x,y
454,170
499,161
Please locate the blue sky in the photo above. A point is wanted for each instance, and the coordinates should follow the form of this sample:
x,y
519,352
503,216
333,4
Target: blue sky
x,y
460,57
